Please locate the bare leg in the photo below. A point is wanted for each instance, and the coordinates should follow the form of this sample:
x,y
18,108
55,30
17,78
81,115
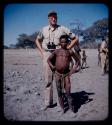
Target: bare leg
x,y
68,89
59,91
61,102
85,63
82,63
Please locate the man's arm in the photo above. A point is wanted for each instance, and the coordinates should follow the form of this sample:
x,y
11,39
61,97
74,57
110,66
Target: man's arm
x,y
39,47
50,62
74,39
104,48
73,43
77,59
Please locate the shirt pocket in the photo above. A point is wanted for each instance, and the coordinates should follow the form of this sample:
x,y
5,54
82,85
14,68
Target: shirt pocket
x,y
46,35
59,34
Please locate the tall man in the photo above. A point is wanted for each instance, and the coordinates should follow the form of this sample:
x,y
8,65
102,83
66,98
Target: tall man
x,y
47,41
104,55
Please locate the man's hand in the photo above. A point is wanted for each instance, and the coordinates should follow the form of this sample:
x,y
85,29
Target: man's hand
x,y
41,51
48,84
41,54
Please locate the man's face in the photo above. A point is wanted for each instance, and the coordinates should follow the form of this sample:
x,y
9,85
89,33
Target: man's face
x,y
52,20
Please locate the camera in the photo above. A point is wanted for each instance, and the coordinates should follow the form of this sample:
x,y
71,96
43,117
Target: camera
x,y
51,45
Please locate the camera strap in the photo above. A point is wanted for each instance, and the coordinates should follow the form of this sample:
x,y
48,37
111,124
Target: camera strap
x,y
51,33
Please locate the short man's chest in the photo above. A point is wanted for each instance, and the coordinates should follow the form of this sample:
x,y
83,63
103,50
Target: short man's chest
x,y
65,54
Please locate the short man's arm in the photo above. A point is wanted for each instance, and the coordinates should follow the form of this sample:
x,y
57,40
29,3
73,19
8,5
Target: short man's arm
x,y
50,62
77,59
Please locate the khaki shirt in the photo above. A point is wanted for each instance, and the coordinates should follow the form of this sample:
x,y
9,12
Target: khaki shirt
x,y
48,34
103,46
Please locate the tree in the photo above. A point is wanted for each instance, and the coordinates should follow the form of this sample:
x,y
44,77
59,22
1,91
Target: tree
x,y
26,40
12,46
99,29
76,27
5,47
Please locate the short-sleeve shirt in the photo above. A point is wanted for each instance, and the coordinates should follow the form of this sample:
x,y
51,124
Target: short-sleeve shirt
x,y
48,34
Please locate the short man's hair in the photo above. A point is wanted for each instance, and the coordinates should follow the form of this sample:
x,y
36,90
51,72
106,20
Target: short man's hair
x,y
65,37
52,13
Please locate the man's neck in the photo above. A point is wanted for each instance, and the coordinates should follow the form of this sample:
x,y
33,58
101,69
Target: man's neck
x,y
54,26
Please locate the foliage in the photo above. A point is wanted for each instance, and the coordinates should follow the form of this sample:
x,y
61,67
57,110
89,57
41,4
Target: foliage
x,y
25,40
98,30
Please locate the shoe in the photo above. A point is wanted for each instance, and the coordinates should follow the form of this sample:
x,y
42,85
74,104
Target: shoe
x,y
58,109
44,108
71,113
62,112
103,74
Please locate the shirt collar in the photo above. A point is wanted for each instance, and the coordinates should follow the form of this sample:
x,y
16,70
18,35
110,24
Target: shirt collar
x,y
51,28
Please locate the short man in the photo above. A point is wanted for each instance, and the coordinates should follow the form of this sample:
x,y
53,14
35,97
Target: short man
x,y
47,41
84,57
62,70
78,50
104,55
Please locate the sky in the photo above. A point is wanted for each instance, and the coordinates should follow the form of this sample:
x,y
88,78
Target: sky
x,y
30,18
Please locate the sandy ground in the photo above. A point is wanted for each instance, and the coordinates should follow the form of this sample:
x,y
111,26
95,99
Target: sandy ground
x,y
24,89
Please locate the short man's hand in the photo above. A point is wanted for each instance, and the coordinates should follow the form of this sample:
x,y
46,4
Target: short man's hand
x,y
69,74
53,68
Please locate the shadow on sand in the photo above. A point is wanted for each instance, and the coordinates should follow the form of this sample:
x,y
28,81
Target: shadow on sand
x,y
80,70
85,67
79,98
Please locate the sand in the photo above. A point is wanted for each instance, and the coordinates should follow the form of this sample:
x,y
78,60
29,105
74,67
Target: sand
x,y
24,89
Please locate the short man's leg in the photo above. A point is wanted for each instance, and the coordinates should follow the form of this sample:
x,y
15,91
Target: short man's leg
x,y
59,92
85,64
68,90
82,64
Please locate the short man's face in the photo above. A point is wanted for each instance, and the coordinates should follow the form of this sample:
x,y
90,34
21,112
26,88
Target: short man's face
x,y
63,43
52,20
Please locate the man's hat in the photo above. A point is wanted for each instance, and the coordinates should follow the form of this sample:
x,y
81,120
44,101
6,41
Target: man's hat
x,y
52,13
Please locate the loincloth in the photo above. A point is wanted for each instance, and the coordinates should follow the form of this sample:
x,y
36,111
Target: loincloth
x,y
62,76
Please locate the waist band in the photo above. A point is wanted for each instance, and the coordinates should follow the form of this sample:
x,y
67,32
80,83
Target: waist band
x,y
62,75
